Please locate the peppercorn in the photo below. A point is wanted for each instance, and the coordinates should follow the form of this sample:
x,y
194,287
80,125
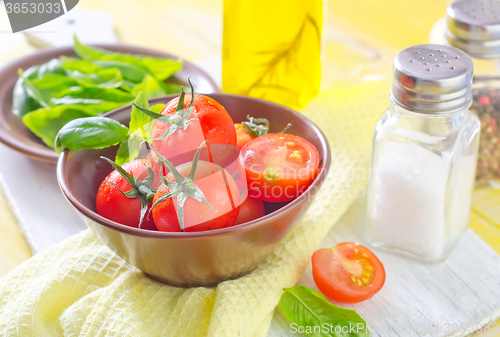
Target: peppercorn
x,y
486,105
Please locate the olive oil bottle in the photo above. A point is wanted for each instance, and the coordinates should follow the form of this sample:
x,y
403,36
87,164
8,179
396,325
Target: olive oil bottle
x,y
271,49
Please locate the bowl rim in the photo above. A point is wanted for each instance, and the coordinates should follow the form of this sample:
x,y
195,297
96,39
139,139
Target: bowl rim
x,y
49,155
309,193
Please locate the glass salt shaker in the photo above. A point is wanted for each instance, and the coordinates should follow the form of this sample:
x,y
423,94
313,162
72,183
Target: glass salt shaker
x,y
473,26
424,155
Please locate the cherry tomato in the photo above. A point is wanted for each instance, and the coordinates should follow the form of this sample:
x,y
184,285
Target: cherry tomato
x,y
214,124
242,136
348,273
112,204
250,209
197,216
281,166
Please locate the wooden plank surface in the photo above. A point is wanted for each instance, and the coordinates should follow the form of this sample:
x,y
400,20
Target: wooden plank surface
x,y
13,248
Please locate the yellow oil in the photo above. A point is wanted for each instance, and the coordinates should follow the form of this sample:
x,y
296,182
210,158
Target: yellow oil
x,y
271,49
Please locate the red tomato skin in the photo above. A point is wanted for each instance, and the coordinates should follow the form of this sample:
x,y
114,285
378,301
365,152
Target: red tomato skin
x,y
165,215
324,258
250,209
242,136
113,205
279,189
216,125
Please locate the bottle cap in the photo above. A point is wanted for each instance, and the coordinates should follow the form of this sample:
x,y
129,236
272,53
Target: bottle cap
x,y
474,27
432,79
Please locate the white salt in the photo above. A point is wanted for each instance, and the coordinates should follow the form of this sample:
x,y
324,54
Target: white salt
x,y
410,209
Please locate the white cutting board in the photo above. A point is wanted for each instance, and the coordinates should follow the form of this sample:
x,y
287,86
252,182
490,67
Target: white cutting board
x,y
418,298
31,189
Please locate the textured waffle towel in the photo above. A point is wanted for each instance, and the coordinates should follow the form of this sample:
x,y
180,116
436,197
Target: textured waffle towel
x,y
81,288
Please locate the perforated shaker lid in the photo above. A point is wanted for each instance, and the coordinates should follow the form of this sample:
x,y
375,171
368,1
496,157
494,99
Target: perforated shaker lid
x,y
474,27
432,79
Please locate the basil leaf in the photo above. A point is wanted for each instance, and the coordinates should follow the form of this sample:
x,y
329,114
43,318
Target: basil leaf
x,y
103,78
157,108
54,66
173,88
79,65
138,120
163,68
140,129
129,148
33,91
105,94
52,85
150,88
86,52
46,123
308,309
159,68
98,105
129,71
25,99
22,101
90,133
127,86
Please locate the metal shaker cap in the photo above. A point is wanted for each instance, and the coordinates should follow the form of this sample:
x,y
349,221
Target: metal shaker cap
x,y
474,27
432,79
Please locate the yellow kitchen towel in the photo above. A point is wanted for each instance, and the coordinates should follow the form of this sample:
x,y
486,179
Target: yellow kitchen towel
x,y
81,288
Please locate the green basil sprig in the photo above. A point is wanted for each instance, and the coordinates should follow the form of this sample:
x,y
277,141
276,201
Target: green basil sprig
x,y
311,313
100,80
140,130
90,133
159,68
46,123
23,103
101,132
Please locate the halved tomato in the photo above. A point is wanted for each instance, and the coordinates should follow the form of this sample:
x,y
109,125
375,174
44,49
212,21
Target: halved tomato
x,y
348,273
278,167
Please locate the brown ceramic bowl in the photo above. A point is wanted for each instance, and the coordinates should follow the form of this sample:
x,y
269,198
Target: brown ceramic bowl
x,y
14,134
194,258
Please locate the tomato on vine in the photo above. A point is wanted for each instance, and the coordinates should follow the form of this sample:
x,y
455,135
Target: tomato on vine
x,y
249,130
126,193
195,196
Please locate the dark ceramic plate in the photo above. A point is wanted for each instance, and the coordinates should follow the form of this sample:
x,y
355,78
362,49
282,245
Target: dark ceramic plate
x,y
14,134
194,258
